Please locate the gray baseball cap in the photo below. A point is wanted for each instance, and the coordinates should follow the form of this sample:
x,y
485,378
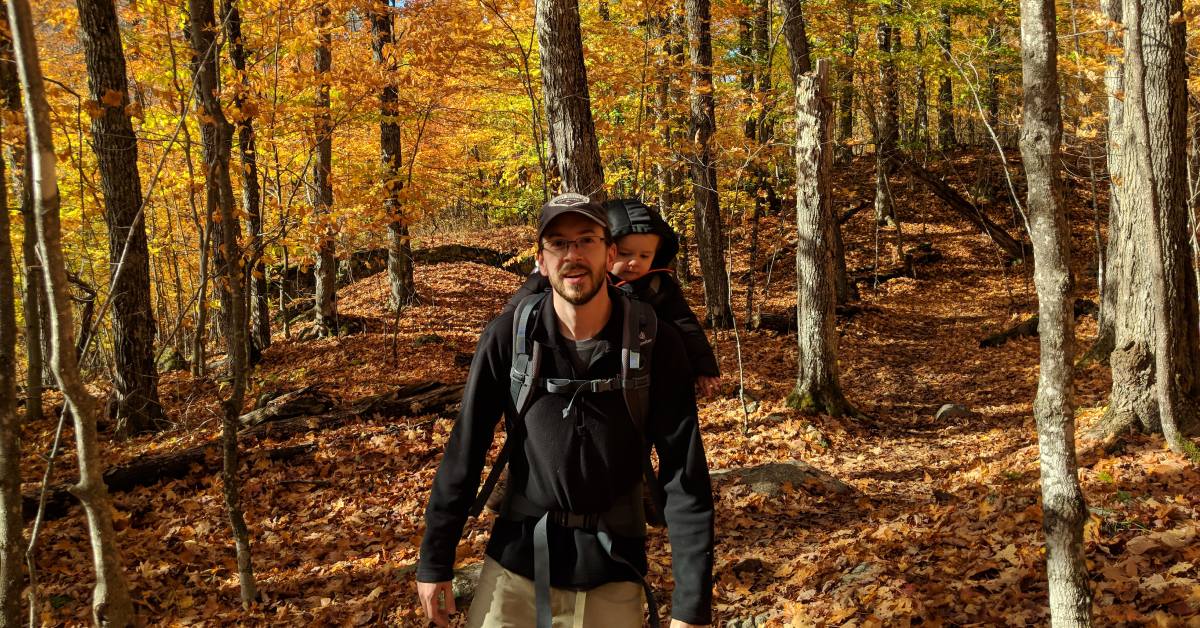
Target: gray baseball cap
x,y
571,203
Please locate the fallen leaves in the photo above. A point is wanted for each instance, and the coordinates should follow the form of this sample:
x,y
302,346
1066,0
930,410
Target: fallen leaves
x,y
944,527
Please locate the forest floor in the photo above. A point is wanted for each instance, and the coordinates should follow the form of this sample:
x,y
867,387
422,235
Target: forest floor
x,y
943,526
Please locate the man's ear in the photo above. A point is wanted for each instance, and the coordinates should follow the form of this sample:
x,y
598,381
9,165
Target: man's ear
x,y
541,263
611,256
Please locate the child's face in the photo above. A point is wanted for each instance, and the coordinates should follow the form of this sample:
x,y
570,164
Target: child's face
x,y
635,253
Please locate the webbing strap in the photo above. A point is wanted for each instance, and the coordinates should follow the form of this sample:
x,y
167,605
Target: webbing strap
x,y
558,385
489,484
605,539
541,573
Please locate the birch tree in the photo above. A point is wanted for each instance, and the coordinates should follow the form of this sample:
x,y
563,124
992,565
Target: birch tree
x,y
1063,510
111,604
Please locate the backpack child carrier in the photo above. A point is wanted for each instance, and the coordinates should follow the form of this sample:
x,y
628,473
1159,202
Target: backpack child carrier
x,y
627,518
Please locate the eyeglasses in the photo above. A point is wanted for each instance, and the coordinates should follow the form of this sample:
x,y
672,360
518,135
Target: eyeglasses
x,y
583,243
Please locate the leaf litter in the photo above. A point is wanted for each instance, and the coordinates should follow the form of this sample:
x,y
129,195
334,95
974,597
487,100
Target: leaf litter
x,y
943,527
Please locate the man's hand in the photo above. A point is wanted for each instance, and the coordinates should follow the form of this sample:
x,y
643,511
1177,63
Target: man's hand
x,y
436,594
675,623
708,385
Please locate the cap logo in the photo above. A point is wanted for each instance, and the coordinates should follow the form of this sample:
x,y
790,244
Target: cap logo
x,y
570,199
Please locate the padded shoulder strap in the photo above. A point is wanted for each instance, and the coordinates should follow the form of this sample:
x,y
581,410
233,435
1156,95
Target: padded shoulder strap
x,y
527,354
637,345
526,359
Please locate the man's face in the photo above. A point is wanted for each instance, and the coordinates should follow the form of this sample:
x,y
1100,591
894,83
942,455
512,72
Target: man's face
x,y
577,270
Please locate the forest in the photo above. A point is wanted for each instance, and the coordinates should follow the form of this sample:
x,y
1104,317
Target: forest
x,y
946,253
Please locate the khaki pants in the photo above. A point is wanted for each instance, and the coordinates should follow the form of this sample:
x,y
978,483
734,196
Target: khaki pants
x,y
504,599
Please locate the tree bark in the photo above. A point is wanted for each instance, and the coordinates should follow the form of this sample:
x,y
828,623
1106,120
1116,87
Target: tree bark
x,y
887,125
320,187
946,137
817,387
993,78
846,90
217,135
12,539
1114,84
111,604
135,380
568,103
1157,78
920,134
400,262
709,236
260,313
1134,402
31,279
1063,510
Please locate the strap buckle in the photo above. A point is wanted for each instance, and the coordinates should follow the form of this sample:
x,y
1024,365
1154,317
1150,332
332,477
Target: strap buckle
x,y
566,519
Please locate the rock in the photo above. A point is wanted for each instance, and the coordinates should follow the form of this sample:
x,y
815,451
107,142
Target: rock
x,y
953,411
768,479
172,360
763,619
428,339
466,579
747,565
859,572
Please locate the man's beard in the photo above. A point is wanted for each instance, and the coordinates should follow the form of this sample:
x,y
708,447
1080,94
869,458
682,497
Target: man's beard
x,y
577,295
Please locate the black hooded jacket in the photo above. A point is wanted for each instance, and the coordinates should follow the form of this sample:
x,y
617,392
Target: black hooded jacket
x,y
578,465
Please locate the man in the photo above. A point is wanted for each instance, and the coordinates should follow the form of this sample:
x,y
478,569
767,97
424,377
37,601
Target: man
x,y
563,544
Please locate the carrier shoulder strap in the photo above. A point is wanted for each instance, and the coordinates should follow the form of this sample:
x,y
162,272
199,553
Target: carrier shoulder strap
x,y
637,347
526,360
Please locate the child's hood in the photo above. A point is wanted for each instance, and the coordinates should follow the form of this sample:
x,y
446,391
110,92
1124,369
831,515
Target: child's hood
x,y
630,215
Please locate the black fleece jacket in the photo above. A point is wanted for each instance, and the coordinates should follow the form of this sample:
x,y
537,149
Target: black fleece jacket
x,y
660,289
580,463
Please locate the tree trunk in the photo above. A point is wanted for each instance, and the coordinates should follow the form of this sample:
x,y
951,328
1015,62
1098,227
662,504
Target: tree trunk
x,y
888,124
1063,508
568,104
1156,77
846,90
993,79
31,279
260,313
400,265
1114,83
817,387
135,381
920,133
759,133
946,137
1134,403
111,604
320,187
12,540
704,168
217,134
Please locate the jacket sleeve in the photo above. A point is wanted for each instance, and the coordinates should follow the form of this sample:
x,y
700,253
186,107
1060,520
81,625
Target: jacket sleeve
x,y
535,284
457,479
672,306
683,473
